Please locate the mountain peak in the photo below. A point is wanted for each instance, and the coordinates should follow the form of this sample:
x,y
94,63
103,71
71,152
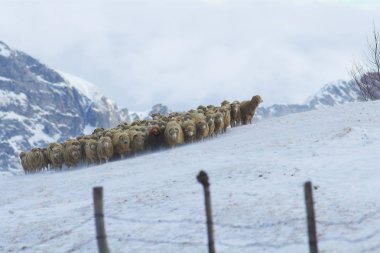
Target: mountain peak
x,y
5,50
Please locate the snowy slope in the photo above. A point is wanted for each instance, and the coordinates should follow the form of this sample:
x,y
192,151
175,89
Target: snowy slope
x,y
154,204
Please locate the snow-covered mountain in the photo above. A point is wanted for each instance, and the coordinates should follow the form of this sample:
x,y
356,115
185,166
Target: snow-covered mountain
x,y
153,203
335,93
40,105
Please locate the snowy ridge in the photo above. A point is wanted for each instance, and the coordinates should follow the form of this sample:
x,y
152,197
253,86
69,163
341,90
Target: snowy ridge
x,y
4,50
154,204
86,88
331,94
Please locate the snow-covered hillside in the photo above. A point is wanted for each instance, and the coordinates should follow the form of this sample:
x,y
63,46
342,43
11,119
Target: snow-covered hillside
x,y
154,204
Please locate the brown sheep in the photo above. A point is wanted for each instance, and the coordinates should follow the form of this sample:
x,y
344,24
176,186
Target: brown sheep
x,y
98,132
173,134
225,110
201,126
189,130
248,109
211,124
25,165
155,137
55,153
202,108
137,141
235,114
47,161
35,159
72,152
121,143
91,151
104,149
219,123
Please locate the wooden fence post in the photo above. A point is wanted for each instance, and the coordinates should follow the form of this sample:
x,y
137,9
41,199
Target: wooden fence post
x,y
312,231
203,179
99,220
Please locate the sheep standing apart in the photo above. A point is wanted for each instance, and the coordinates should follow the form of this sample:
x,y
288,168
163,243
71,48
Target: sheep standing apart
x,y
25,165
72,153
173,134
35,159
121,143
55,154
189,131
91,151
137,141
235,114
248,109
104,149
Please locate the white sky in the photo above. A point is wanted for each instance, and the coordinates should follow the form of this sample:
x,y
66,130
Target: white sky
x,y
185,53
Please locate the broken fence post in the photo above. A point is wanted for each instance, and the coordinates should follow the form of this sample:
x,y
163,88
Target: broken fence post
x,y
203,179
99,220
312,231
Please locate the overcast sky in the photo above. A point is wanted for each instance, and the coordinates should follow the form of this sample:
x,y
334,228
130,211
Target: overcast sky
x,y
186,53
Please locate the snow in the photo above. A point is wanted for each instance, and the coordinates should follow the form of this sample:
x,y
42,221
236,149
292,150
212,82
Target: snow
x,y
88,129
2,78
39,136
11,98
86,88
141,114
4,50
154,204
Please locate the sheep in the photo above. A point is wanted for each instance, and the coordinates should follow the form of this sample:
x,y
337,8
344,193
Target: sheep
x,y
201,108
137,141
225,110
235,114
47,161
35,159
173,134
211,124
219,123
189,130
248,109
98,132
25,165
121,143
91,151
201,126
104,149
55,154
72,152
155,137
224,103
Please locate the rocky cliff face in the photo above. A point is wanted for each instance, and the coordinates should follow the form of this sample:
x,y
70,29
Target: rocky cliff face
x,y
40,105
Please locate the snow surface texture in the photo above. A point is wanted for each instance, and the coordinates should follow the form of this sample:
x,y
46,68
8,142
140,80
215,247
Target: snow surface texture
x,y
154,204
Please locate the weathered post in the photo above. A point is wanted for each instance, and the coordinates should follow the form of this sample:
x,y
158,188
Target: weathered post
x,y
312,231
203,179
99,220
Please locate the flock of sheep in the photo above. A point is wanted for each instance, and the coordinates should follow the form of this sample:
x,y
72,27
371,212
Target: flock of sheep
x,y
126,139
